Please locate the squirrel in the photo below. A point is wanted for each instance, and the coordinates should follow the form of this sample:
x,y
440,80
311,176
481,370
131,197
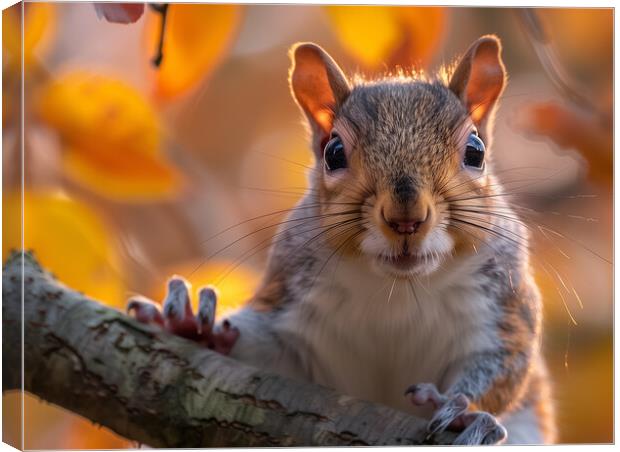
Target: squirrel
x,y
402,276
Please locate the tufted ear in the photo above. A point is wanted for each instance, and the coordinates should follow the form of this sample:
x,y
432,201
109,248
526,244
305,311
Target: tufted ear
x,y
479,79
318,85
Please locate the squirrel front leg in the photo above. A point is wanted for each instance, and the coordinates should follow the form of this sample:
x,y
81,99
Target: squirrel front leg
x,y
264,341
483,389
492,381
486,383
249,335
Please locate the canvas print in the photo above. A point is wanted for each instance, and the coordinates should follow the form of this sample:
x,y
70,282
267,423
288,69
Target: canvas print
x,y
306,225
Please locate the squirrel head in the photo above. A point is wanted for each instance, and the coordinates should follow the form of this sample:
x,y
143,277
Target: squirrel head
x,y
398,151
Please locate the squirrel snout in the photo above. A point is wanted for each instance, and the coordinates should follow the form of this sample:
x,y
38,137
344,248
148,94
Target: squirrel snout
x,y
406,215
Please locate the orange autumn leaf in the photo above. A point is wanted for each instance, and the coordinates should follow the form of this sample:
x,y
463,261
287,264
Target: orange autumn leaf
x,y
196,38
111,135
385,35
68,239
572,127
39,28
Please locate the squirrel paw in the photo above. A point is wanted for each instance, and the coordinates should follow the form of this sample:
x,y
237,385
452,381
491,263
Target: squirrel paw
x,y
177,316
476,427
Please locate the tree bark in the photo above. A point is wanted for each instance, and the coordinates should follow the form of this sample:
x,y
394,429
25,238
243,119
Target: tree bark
x,y
164,391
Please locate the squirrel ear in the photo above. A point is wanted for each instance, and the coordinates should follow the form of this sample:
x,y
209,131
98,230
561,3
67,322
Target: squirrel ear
x,y
318,85
480,77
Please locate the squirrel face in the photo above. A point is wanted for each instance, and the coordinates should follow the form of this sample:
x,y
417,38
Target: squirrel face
x,y
395,154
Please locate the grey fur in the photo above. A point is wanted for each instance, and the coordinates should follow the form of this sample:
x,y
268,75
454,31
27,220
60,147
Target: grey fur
x,y
403,125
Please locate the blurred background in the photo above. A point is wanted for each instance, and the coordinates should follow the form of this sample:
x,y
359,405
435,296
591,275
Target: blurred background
x,y
131,169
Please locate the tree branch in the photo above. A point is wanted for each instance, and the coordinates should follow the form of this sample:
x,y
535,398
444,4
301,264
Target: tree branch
x,y
164,391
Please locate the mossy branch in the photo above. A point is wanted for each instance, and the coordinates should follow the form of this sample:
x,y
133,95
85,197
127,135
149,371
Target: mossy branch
x,y
164,391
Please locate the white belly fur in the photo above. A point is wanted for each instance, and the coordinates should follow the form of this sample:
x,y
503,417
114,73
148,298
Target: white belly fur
x,y
371,345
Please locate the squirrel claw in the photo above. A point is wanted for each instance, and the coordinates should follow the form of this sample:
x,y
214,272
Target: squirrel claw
x,y
423,393
476,427
176,304
448,415
207,303
481,428
178,317
224,340
178,314
144,310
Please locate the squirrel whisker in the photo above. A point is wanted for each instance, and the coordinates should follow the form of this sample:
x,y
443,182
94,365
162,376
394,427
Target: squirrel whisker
x,y
269,241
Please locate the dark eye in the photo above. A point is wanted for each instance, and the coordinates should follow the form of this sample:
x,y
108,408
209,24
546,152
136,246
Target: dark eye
x,y
334,155
474,152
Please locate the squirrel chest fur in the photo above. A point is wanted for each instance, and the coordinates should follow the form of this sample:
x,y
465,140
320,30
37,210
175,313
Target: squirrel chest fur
x,y
403,275
371,336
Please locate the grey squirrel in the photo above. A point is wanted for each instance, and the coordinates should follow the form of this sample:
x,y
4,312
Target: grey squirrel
x,y
401,276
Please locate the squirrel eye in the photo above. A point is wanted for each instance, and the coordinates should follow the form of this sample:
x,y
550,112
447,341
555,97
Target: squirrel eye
x,y
474,152
334,154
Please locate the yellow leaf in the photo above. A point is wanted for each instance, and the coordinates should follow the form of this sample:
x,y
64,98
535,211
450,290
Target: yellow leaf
x,y
353,27
39,28
235,284
68,239
196,38
380,36
98,114
112,137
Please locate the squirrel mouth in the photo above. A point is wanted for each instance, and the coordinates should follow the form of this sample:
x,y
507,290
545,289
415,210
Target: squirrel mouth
x,y
404,261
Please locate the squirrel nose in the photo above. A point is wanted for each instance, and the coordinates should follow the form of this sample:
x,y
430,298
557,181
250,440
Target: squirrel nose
x,y
405,225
